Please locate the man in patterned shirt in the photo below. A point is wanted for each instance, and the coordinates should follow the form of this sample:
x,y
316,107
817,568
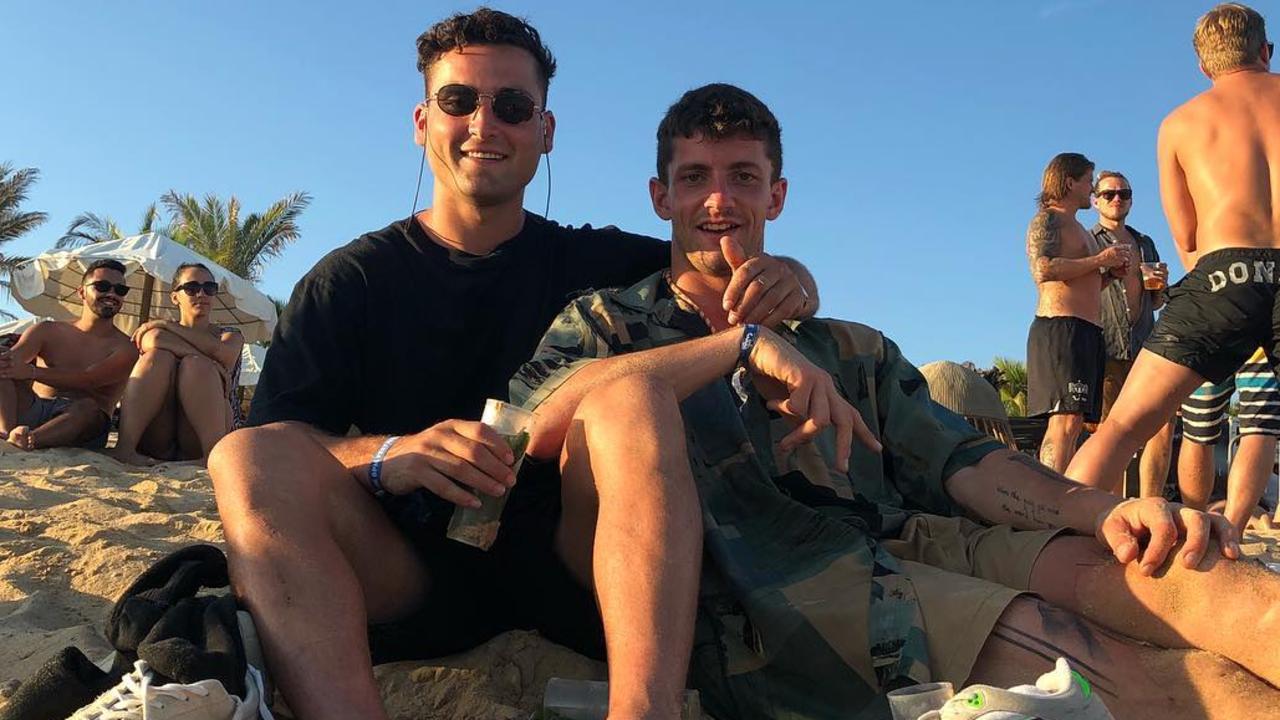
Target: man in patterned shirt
x,y
715,500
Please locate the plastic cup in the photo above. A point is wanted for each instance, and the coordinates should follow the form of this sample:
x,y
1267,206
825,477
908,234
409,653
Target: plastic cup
x,y
478,527
909,703
1150,280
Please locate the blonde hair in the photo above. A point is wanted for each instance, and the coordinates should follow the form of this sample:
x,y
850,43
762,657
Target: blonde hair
x,y
1097,183
1229,37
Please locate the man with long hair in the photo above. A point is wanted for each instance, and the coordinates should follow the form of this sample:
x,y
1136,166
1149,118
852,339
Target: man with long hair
x,y
1066,355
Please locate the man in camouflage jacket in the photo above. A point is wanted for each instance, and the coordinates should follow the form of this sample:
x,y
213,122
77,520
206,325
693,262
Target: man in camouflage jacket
x,y
715,498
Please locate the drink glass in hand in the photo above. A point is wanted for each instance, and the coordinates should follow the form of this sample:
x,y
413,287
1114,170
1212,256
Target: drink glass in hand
x,y
478,527
1152,275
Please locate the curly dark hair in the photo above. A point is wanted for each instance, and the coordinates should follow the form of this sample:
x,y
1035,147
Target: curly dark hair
x,y
485,26
719,111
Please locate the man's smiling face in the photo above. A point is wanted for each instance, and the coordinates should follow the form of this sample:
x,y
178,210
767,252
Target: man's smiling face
x,y
479,158
717,188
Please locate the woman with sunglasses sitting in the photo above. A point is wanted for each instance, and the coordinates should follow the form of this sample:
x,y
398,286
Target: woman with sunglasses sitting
x,y
180,399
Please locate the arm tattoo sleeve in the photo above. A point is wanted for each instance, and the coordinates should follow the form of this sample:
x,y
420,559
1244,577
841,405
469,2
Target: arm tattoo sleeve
x,y
1044,241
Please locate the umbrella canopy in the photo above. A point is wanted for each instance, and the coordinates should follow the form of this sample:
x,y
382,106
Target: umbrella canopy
x,y
966,393
46,285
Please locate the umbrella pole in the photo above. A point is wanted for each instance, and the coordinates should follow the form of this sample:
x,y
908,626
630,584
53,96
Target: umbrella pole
x,y
148,286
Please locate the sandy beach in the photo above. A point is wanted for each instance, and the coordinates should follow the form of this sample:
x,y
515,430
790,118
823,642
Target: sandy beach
x,y
76,527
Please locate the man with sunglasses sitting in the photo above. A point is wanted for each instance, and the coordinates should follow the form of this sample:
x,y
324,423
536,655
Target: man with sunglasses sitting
x,y
61,381
412,327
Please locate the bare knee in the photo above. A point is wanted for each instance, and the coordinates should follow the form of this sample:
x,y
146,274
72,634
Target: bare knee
x,y
156,359
196,367
1069,424
261,467
619,402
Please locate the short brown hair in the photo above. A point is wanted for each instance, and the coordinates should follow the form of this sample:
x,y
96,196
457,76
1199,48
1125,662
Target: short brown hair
x,y
1097,183
1229,37
485,26
717,112
1063,167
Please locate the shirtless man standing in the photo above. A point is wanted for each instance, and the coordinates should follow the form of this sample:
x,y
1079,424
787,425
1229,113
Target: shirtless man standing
x,y
60,382
1217,154
1066,354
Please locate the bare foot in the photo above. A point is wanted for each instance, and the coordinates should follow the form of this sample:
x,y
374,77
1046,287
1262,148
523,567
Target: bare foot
x,y
132,457
22,438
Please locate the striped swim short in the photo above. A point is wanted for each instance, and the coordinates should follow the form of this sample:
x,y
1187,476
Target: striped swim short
x,y
1203,413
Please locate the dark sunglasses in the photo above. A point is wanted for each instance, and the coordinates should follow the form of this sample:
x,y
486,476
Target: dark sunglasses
x,y
1110,195
194,287
511,106
105,286
1271,49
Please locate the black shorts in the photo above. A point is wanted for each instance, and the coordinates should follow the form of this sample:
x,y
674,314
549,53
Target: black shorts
x,y
1220,313
1066,359
518,584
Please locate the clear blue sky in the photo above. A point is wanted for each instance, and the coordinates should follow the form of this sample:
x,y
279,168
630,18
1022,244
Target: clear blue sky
x,y
914,133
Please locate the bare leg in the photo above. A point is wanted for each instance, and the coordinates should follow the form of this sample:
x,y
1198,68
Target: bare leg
x,y
1222,606
632,529
1135,681
1153,468
1154,390
1250,471
15,398
204,407
1195,473
1060,438
314,557
149,392
82,421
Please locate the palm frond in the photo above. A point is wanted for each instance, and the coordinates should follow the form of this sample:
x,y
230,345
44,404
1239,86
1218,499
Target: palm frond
x,y
14,185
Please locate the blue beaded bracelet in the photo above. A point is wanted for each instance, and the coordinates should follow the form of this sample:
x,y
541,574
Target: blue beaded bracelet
x,y
375,467
750,333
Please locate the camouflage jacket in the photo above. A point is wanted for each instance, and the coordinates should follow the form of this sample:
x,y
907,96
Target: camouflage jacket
x,y
801,613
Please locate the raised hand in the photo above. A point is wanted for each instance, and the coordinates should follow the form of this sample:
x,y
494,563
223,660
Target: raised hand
x,y
763,289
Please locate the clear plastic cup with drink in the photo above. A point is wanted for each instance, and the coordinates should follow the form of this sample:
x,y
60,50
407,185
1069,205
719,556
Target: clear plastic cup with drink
x,y
1153,275
478,527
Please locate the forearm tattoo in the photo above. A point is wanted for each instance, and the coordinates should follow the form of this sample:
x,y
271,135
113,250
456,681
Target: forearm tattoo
x,y
1044,242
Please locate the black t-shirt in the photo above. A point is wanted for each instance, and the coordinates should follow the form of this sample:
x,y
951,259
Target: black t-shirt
x,y
393,332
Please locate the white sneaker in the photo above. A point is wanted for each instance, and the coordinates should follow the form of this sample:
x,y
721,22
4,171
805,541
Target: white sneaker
x,y
135,698
1058,695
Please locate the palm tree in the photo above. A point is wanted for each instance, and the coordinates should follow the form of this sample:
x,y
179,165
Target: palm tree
x,y
14,222
1013,385
89,227
213,229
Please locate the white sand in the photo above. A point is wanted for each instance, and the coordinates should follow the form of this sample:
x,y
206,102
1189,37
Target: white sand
x,y
77,527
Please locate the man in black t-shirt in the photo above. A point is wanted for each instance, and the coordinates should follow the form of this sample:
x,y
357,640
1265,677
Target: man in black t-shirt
x,y
412,327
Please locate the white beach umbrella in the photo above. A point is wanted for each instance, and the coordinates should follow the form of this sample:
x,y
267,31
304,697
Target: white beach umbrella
x,y
46,285
17,327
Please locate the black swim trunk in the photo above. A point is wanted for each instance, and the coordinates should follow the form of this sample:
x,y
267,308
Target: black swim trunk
x,y
518,584
1220,313
1066,358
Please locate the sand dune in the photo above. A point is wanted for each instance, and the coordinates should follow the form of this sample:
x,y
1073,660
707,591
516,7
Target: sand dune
x,y
76,527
